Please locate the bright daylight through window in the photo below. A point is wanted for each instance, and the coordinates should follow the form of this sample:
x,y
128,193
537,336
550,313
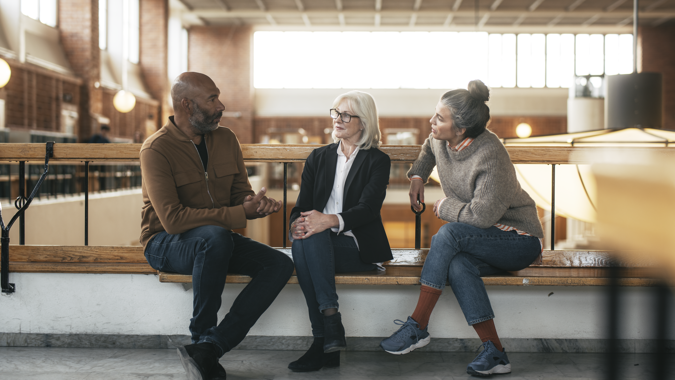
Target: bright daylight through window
x,y
434,59
41,10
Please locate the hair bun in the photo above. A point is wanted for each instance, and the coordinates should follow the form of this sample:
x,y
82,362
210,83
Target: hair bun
x,y
478,90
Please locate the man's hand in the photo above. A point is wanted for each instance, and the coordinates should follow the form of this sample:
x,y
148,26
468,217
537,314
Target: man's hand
x,y
416,189
259,205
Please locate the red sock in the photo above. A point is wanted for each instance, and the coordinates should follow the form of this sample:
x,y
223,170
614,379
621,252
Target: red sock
x,y
425,305
487,331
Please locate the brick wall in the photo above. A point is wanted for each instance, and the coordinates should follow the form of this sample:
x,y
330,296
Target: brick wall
x,y
34,97
656,53
154,52
78,25
224,54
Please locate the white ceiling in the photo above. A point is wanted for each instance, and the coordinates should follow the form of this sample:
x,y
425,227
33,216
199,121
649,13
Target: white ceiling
x,y
470,15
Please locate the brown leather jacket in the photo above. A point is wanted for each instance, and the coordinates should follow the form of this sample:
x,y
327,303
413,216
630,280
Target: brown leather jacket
x,y
178,195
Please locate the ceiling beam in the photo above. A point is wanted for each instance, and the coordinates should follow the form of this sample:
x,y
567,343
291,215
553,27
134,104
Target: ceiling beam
x,y
338,5
653,5
534,5
448,20
305,19
378,5
413,20
186,5
495,5
614,5
217,13
456,5
483,20
574,5
261,5
520,20
300,5
270,19
555,20
418,4
661,21
378,19
625,21
590,20
223,5
341,18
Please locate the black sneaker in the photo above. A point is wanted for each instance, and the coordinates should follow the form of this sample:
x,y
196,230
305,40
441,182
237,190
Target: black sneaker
x,y
200,361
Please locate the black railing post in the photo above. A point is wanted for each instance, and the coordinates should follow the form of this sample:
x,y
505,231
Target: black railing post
x,y
86,203
285,196
418,224
662,306
612,360
6,286
552,207
21,200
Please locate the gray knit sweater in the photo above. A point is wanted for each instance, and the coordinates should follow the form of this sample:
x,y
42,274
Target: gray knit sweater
x,y
480,184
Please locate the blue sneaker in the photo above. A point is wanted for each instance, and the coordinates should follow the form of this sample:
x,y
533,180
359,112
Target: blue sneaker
x,y
489,362
406,339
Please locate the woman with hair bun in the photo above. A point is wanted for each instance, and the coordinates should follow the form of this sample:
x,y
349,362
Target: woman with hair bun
x,y
492,223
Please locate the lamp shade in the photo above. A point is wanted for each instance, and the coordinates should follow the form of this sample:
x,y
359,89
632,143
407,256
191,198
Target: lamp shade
x,y
5,72
124,101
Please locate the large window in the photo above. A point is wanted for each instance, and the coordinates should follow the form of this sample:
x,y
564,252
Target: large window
x,y
433,59
132,29
103,24
41,10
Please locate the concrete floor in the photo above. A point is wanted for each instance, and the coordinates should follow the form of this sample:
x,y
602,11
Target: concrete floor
x,y
22,363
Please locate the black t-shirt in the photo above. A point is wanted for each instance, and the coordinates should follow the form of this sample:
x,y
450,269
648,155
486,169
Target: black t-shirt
x,y
203,153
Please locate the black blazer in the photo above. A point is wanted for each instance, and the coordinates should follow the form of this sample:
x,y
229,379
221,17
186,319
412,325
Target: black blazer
x,y
365,189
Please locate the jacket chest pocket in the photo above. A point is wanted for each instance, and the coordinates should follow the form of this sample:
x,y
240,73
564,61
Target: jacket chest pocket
x,y
189,188
222,183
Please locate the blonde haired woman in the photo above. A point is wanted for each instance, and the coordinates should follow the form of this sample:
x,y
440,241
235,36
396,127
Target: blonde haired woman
x,y
336,225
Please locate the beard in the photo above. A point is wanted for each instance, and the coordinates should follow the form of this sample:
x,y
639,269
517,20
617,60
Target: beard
x,y
203,122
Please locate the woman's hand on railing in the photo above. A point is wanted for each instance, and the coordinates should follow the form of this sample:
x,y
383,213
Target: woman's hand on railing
x,y
416,193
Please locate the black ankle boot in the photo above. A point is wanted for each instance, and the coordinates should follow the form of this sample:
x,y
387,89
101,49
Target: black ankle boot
x,y
334,333
200,361
314,359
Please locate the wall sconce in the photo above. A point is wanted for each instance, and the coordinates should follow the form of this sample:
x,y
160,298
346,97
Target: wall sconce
x,y
124,101
5,73
523,130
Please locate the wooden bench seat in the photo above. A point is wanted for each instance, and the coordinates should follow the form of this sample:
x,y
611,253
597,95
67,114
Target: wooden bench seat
x,y
556,268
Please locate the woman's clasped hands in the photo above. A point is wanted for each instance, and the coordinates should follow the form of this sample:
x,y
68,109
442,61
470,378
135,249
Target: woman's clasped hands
x,y
312,222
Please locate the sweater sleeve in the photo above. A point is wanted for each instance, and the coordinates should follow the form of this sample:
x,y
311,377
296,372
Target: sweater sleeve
x,y
425,162
176,218
495,184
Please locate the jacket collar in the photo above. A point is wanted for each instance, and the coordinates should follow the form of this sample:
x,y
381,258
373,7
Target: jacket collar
x,y
174,132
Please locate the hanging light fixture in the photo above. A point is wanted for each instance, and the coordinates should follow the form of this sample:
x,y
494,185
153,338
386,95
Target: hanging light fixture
x,y
124,101
523,130
5,72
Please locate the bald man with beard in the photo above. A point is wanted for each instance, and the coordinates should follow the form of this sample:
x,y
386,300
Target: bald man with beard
x,y
195,192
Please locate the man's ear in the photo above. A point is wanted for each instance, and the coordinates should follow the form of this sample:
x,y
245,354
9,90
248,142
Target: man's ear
x,y
185,103
461,131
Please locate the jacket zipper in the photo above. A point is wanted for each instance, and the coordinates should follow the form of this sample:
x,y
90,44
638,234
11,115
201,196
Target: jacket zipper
x,y
206,174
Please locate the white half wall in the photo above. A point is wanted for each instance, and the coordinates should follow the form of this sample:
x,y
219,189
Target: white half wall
x,y
409,102
140,304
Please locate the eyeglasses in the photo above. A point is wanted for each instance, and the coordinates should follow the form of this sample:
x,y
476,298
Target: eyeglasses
x,y
345,117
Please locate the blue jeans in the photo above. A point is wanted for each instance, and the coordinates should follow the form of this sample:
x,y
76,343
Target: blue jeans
x,y
317,260
461,254
209,253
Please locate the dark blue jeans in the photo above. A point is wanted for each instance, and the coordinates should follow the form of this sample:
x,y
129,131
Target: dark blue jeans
x,y
461,254
317,260
209,253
